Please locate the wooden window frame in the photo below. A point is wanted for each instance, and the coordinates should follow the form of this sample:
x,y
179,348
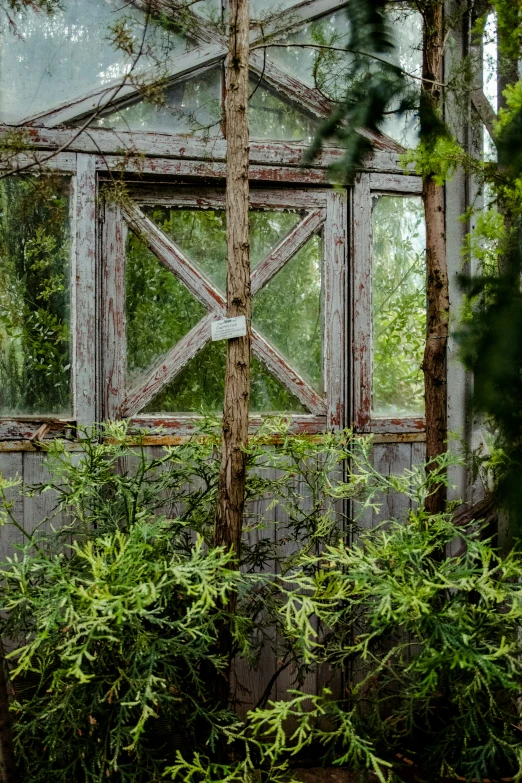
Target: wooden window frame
x,y
210,50
93,154
367,186
33,429
325,210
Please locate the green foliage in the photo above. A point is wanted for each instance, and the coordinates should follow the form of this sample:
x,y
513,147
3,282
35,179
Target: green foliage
x,y
115,618
115,614
16,6
437,158
399,305
34,295
374,86
436,640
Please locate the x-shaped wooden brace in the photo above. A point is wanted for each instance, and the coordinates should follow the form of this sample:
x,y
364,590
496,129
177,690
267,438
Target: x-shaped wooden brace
x,y
200,286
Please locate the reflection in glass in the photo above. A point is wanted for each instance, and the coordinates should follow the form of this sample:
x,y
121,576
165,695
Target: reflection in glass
x,y
398,305
271,117
159,310
267,229
201,235
200,387
52,59
266,9
288,311
34,296
189,106
329,69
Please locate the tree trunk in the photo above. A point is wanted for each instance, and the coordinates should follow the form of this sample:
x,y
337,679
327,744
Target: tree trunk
x,y
231,488
231,492
9,772
437,294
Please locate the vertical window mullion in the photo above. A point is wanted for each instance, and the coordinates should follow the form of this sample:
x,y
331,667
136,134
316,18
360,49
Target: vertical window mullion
x,y
113,366
84,291
335,263
361,301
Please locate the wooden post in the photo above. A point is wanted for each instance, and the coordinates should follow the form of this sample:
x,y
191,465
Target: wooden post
x,y
231,490
437,294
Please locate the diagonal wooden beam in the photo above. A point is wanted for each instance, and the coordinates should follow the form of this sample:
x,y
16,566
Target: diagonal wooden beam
x,y
288,376
174,260
309,98
287,247
191,24
116,94
171,364
302,95
484,110
294,17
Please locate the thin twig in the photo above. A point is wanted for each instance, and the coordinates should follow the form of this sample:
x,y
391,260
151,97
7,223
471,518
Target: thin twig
x,y
348,51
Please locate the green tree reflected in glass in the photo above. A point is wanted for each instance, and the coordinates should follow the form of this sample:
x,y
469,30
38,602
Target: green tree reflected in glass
x,y
200,387
267,229
398,305
201,235
288,311
271,117
189,106
34,296
159,309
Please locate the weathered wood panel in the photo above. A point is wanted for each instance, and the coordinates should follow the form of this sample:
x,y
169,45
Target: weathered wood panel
x,y
393,459
361,254
335,329
113,312
39,510
84,291
104,142
215,197
396,183
11,467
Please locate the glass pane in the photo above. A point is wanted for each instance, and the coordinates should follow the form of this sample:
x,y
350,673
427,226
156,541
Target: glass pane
x,y
159,310
271,117
313,66
266,231
265,9
398,305
328,70
408,29
34,296
51,59
190,106
288,311
200,386
201,235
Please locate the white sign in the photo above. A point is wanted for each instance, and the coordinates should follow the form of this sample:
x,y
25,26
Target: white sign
x,y
229,328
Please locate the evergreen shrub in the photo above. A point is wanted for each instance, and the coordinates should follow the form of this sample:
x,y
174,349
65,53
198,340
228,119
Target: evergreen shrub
x,y
115,615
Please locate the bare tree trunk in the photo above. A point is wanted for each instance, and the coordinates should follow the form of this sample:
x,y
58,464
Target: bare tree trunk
x,y
8,769
231,492
231,488
437,294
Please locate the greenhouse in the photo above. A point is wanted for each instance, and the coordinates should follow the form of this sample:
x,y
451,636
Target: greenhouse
x,y
236,559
